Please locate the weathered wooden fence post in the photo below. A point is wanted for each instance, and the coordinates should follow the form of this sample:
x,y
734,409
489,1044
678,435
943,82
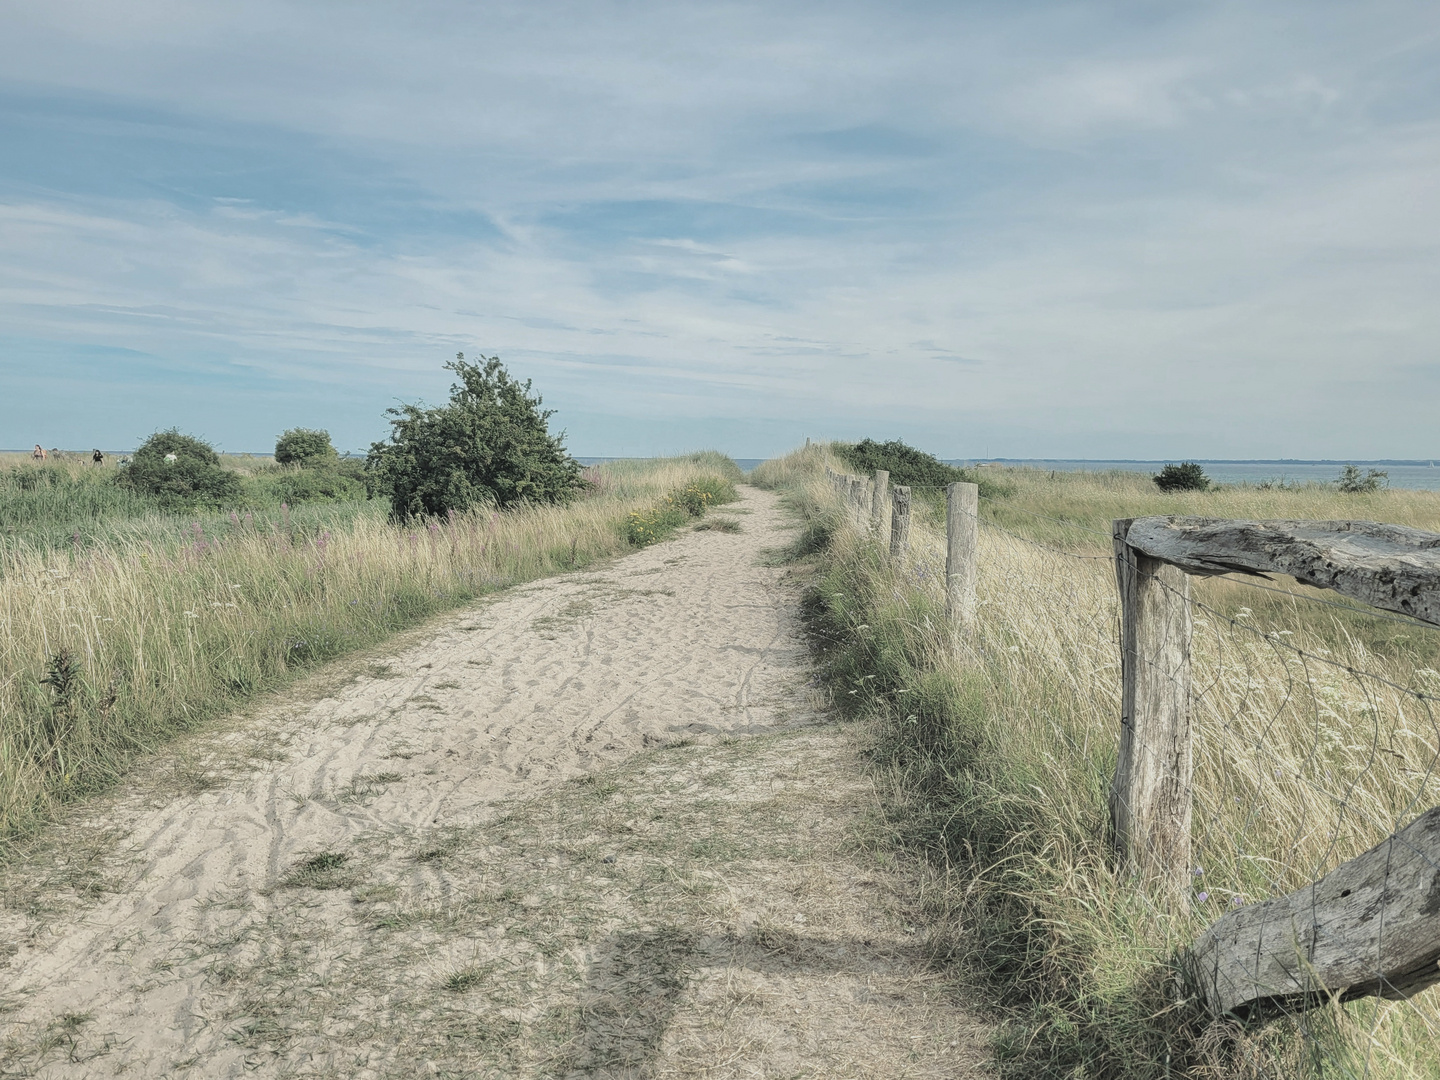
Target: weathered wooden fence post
x,y
1150,798
962,541
899,520
880,506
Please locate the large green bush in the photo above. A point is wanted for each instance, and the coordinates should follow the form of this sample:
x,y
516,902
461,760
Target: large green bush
x,y
180,471
305,446
490,445
910,467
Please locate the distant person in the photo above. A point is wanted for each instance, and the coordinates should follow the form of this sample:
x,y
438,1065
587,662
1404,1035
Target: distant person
x,y
38,453
97,457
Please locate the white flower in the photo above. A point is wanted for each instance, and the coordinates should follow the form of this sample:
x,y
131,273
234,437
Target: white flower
x,y
191,615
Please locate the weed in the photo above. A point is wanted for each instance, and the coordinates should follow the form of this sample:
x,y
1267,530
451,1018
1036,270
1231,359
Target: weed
x,y
725,525
327,870
467,978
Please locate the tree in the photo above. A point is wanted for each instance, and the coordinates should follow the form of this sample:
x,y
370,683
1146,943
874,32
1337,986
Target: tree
x,y
1187,476
302,446
180,471
489,446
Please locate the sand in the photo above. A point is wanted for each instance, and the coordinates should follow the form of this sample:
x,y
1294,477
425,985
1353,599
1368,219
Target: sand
x,y
487,854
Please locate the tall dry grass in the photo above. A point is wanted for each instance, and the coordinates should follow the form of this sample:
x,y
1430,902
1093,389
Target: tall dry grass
x,y
106,648
1005,747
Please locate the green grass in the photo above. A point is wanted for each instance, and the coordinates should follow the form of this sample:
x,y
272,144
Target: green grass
x,y
75,505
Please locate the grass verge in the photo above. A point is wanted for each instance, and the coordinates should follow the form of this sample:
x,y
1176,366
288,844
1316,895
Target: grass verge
x,y
1004,747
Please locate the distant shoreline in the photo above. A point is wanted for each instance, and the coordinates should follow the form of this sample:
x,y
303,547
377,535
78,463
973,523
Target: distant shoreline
x,y
1418,462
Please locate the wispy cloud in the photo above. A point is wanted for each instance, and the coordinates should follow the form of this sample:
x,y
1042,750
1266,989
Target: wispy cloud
x,y
1057,229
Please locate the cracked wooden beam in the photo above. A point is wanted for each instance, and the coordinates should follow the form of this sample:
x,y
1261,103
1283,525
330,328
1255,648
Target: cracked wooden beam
x,y
1386,566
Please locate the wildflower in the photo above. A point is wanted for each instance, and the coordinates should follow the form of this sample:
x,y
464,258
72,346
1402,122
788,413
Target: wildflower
x,y
191,615
1202,897
1237,901
1244,613
1199,871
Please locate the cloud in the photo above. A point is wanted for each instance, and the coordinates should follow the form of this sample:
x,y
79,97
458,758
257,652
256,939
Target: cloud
x,y
1064,229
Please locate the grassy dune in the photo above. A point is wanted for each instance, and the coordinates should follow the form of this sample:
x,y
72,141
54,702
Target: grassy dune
x,y
108,645
1003,751
70,503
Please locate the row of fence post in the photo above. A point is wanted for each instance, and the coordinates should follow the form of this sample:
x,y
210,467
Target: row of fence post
x,y
885,511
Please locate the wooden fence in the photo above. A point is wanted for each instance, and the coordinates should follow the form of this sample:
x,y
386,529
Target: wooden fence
x,y
1370,926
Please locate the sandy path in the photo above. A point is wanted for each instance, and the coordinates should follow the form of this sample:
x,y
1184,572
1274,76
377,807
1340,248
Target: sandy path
x,y
691,639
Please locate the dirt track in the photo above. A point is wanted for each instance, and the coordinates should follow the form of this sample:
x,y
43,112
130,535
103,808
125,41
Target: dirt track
x,y
497,852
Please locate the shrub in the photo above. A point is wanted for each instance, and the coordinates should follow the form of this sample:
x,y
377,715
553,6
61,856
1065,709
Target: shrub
x,y
682,504
180,471
648,526
302,446
308,485
697,497
490,445
1353,482
911,467
1187,476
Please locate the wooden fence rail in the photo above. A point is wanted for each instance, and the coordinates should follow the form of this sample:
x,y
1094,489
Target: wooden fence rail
x,y
1372,924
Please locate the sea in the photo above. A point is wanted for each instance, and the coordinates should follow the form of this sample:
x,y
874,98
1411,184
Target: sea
x,y
1416,475
1419,475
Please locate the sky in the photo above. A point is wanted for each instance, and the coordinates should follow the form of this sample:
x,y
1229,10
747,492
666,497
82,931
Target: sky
x,y
1140,230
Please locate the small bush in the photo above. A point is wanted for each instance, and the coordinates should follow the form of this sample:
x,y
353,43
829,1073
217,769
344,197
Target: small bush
x,y
697,497
910,467
304,446
180,471
1353,482
1187,476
